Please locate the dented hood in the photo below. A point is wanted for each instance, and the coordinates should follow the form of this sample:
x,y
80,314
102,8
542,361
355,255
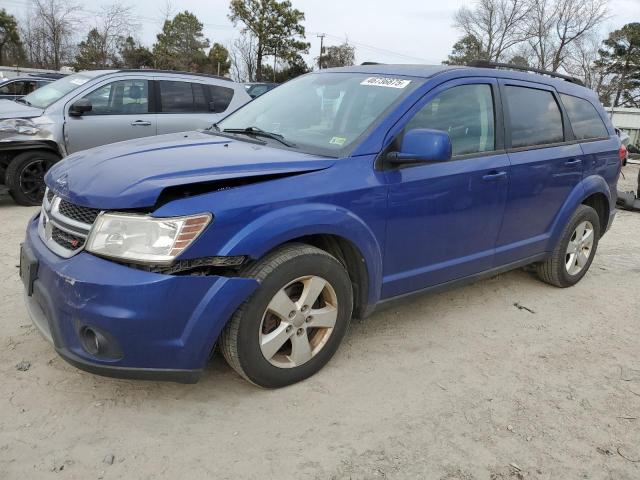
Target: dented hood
x,y
133,174
11,109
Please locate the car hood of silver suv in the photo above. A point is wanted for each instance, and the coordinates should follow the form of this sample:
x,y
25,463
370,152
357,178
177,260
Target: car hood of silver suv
x,y
11,109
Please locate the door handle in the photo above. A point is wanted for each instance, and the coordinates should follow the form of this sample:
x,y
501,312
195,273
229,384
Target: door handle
x,y
140,123
574,162
494,176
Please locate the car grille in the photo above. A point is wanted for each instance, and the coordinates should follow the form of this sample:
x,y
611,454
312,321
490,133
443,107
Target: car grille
x,y
79,214
63,226
66,240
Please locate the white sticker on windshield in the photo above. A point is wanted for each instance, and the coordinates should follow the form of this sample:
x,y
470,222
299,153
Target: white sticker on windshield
x,y
385,82
79,81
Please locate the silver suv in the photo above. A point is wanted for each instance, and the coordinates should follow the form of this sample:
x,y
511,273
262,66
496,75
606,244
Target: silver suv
x,y
97,107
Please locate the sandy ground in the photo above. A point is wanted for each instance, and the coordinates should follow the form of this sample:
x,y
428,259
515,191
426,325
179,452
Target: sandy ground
x,y
460,385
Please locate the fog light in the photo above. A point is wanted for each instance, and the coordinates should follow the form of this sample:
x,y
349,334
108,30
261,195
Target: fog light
x,y
90,340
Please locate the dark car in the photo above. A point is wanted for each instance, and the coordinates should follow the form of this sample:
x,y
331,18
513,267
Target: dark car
x,y
259,88
340,190
18,87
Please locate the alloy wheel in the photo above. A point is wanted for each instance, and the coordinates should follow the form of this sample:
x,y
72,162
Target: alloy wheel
x,y
579,248
298,321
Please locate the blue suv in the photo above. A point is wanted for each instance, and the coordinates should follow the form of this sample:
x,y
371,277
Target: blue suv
x,y
319,200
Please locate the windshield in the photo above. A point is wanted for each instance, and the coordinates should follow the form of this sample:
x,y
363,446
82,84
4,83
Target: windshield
x,y
45,96
321,113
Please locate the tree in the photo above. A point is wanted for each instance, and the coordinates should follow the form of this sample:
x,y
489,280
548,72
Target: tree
x,y
90,54
337,56
219,61
289,69
465,50
49,32
498,25
10,44
555,27
134,55
101,48
581,62
244,58
181,44
275,26
620,59
519,60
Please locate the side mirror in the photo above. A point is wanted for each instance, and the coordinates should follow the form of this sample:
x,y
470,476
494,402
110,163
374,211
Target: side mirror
x,y
216,107
80,107
422,145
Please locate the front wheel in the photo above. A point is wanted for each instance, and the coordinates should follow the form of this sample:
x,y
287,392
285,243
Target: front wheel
x,y
574,253
293,324
25,176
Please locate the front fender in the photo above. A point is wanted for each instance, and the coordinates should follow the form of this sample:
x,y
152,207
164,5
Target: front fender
x,y
285,224
587,187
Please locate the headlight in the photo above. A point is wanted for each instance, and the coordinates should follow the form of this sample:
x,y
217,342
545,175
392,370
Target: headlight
x,y
141,238
19,125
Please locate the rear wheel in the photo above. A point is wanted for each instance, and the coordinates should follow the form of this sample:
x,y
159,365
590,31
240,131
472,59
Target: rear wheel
x,y
293,324
25,176
574,253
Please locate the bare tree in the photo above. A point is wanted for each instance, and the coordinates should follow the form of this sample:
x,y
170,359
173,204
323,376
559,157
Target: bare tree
x,y
115,24
167,12
244,58
498,25
556,26
581,60
48,32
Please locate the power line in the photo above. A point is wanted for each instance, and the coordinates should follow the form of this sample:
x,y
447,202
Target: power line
x,y
379,49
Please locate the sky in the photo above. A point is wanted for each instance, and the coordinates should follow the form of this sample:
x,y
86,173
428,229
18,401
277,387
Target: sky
x,y
402,31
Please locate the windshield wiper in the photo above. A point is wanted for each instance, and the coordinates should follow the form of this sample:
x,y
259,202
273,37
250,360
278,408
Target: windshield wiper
x,y
22,100
258,132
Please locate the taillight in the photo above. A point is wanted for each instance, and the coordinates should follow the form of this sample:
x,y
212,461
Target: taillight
x,y
622,153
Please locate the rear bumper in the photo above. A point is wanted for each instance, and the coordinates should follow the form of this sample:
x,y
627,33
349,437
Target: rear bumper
x,y
155,327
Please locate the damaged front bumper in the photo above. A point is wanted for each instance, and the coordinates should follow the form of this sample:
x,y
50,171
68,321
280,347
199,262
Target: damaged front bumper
x,y
117,321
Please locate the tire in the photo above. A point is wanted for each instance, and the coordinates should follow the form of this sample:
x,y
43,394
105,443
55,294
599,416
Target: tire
x,y
295,270
25,176
563,270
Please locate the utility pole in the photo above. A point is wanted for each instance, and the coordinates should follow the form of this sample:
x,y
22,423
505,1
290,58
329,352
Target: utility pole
x,y
275,58
321,37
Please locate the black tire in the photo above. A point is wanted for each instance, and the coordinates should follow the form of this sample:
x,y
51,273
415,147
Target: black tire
x,y
239,341
25,176
554,270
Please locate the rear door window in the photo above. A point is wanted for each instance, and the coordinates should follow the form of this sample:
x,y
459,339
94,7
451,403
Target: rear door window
x,y
183,97
535,117
466,113
584,118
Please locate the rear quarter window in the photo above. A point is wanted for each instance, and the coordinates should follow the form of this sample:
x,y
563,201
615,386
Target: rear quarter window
x,y
222,96
584,118
535,117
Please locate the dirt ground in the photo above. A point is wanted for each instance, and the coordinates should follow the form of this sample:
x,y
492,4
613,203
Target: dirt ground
x,y
506,379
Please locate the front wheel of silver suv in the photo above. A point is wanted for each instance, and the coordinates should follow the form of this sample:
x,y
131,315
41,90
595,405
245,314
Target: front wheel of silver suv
x,y
575,250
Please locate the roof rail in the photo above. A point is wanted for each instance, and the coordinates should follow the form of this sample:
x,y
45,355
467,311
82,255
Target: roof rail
x,y
154,70
510,66
371,63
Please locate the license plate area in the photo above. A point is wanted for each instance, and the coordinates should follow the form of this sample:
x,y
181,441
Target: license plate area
x,y
28,268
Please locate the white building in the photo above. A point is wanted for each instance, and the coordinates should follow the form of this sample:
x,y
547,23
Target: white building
x,y
627,120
